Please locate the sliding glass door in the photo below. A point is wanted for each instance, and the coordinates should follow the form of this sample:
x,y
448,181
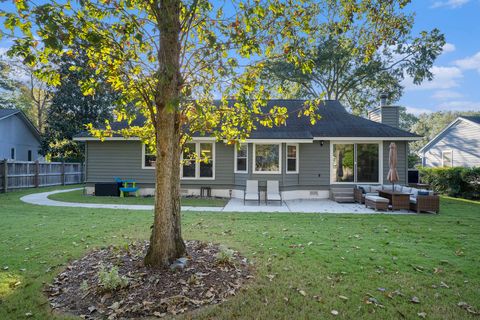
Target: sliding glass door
x,y
356,162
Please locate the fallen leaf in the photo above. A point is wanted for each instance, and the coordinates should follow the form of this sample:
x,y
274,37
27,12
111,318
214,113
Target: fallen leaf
x,y
28,314
334,312
303,293
343,297
444,285
422,315
415,300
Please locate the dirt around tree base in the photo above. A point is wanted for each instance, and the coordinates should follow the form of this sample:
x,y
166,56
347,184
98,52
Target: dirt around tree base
x,y
212,274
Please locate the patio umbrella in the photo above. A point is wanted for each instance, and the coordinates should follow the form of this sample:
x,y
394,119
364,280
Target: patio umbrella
x,y
339,164
392,161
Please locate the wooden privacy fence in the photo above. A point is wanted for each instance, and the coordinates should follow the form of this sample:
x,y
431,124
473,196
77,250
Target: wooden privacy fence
x,y
33,174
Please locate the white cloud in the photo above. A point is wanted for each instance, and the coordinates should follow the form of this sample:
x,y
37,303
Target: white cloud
x,y
446,94
453,4
443,78
469,63
417,111
460,105
448,47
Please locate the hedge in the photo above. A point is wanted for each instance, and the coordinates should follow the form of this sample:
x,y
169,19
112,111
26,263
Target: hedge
x,y
455,182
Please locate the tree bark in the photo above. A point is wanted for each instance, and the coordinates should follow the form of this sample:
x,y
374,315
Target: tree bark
x,y
166,243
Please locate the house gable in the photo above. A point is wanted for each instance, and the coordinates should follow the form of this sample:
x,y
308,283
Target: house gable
x,y
459,141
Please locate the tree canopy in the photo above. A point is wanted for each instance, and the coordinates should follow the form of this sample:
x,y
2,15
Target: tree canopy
x,y
344,69
70,110
170,58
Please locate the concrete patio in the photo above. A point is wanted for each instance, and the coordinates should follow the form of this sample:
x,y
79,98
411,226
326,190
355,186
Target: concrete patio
x,y
304,206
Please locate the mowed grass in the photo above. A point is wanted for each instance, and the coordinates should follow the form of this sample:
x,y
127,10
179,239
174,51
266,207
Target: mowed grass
x,y
79,196
303,262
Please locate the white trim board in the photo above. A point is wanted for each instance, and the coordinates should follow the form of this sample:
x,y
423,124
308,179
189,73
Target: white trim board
x,y
367,138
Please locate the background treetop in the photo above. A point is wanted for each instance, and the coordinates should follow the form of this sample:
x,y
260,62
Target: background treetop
x,y
225,47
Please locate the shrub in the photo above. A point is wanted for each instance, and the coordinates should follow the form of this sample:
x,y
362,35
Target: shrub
x,y
225,257
455,182
110,280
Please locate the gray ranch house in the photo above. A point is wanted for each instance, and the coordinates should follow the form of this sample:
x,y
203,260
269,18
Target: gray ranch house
x,y
458,145
19,138
340,150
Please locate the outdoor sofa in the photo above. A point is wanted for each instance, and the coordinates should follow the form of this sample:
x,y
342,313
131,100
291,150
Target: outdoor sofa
x,y
420,200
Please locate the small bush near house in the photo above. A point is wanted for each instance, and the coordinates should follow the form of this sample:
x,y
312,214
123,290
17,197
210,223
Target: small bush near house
x,y
455,182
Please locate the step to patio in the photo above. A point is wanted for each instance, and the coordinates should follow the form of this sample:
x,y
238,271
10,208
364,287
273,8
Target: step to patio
x,y
344,195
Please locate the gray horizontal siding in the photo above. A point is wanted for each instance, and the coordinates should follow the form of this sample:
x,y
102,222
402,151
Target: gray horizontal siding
x,y
463,138
109,159
106,160
315,164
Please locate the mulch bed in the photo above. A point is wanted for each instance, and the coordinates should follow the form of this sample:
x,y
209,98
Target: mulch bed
x,y
212,275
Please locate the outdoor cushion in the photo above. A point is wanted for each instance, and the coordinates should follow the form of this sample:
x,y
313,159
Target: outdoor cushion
x,y
423,192
413,200
414,192
377,199
387,187
273,196
375,188
365,188
251,196
398,188
407,190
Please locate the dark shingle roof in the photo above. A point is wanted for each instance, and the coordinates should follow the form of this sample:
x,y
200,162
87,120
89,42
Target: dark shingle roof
x,y
335,122
7,112
475,119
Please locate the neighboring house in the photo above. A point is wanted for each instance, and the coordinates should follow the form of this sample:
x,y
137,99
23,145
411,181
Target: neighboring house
x,y
339,150
19,138
458,145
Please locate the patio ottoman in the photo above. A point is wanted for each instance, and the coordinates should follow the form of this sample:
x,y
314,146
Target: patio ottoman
x,y
376,202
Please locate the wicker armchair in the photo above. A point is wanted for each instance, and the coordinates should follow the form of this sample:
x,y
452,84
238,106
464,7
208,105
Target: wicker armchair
x,y
429,203
358,195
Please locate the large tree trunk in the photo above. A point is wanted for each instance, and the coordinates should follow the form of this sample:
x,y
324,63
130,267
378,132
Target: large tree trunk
x,y
166,242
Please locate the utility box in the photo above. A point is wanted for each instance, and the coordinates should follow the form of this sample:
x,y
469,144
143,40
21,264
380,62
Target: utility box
x,y
107,189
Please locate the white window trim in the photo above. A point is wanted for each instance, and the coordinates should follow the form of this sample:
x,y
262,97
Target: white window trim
x,y
297,160
380,161
14,153
144,152
235,160
279,159
197,163
451,157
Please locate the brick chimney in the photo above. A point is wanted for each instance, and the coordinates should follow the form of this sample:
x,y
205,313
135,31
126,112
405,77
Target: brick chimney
x,y
385,114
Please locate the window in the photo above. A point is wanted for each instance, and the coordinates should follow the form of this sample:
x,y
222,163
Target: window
x,y
12,153
149,158
206,160
198,160
29,155
447,158
359,162
267,158
188,163
292,158
241,158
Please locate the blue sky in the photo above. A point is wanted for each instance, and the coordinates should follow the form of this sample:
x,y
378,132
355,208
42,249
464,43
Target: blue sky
x,y
456,85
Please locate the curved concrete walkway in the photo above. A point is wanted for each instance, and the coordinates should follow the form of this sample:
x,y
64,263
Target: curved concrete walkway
x,y
234,205
43,200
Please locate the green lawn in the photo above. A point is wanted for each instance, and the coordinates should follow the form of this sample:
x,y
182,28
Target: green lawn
x,y
78,196
322,256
